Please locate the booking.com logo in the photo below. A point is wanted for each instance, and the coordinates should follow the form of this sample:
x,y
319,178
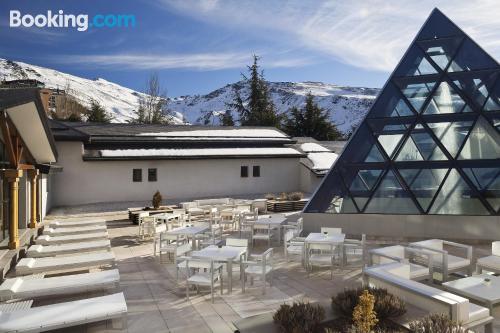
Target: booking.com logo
x,y
61,20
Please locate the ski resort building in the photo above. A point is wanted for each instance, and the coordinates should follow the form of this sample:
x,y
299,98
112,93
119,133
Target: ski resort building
x,y
127,162
425,162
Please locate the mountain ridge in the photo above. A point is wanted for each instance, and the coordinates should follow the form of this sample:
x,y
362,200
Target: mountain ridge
x,y
347,105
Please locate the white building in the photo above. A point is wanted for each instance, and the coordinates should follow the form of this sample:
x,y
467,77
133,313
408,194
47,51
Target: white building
x,y
129,162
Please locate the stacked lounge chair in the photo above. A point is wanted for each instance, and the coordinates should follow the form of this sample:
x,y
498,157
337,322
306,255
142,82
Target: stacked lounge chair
x,y
63,247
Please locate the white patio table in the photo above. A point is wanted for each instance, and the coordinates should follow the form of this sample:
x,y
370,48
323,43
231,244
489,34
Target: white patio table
x,y
272,222
189,232
225,254
336,239
476,288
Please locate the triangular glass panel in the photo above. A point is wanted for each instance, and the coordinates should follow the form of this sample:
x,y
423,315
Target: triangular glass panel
x,y
414,64
457,198
390,103
362,185
445,100
471,57
487,181
420,146
438,26
416,92
495,121
476,86
389,142
391,198
451,134
483,142
374,155
330,195
424,183
440,50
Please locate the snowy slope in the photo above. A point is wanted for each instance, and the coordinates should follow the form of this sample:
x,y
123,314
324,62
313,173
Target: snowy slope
x,y
347,105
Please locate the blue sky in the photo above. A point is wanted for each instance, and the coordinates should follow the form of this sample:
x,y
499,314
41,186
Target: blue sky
x,y
197,46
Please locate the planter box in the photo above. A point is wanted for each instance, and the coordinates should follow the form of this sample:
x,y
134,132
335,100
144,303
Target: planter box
x,y
285,205
133,214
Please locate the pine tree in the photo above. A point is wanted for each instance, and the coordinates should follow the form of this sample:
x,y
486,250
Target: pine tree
x,y
97,113
226,118
259,109
311,121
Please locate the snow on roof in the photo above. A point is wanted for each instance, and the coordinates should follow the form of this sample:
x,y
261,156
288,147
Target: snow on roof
x,y
198,152
310,147
244,132
322,161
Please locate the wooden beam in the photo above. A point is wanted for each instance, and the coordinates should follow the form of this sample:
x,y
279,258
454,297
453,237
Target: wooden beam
x,y
22,166
21,148
7,139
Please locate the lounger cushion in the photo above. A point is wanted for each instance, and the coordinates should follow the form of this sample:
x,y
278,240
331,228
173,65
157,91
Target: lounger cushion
x,y
68,284
492,262
40,265
477,312
75,230
61,315
38,251
72,224
50,240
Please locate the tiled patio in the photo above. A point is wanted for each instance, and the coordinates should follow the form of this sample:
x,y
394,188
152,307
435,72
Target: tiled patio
x,y
156,303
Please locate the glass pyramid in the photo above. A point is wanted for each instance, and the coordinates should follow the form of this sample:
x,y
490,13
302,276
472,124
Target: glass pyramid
x,y
430,143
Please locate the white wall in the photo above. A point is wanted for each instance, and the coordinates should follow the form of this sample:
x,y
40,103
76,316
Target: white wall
x,y
309,181
111,181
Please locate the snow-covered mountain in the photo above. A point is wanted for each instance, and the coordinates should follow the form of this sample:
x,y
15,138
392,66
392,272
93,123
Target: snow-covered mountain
x,y
347,105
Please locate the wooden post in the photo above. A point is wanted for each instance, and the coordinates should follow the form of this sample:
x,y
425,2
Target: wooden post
x,y
12,177
33,177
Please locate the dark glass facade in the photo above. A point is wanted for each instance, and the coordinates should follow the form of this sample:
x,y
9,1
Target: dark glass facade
x,y
430,144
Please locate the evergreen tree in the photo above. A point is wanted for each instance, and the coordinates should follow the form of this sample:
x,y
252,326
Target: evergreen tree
x,y
226,118
257,109
97,113
311,121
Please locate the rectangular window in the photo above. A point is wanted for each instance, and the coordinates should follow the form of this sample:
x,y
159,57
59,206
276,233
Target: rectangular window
x,y
137,175
244,171
151,175
256,170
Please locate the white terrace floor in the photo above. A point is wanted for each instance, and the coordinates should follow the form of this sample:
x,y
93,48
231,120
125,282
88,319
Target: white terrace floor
x,y
156,303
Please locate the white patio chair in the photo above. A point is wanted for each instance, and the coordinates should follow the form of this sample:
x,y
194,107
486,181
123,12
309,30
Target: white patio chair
x,y
173,250
355,249
38,251
293,245
320,254
211,237
227,218
209,277
490,263
260,265
246,221
331,231
27,266
65,315
25,288
420,262
147,226
445,262
297,226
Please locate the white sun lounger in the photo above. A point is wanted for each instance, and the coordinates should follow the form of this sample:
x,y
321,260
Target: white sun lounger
x,y
68,314
39,251
73,223
26,288
90,229
54,240
27,266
